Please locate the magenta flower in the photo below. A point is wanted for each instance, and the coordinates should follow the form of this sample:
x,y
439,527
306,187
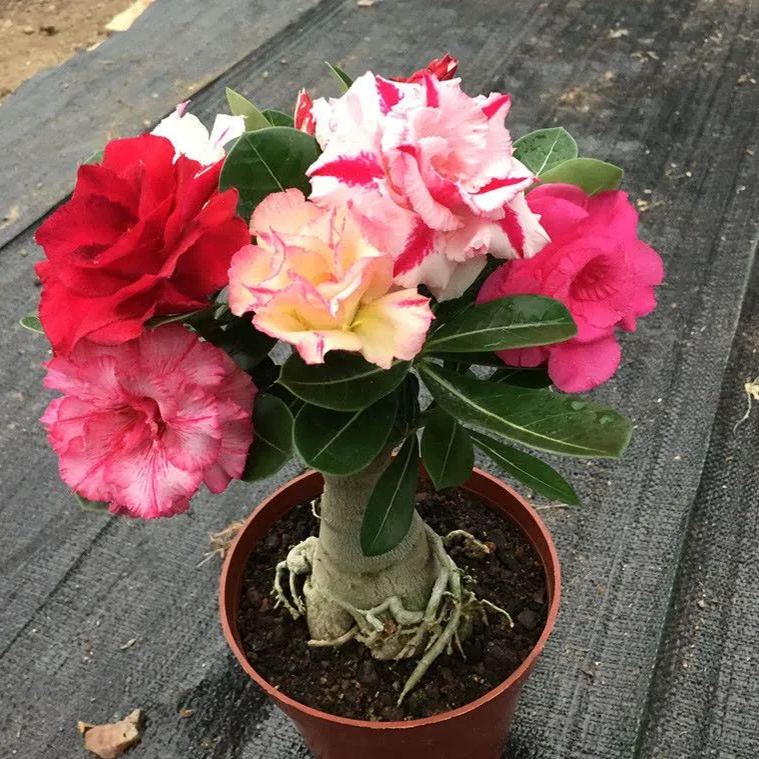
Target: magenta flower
x,y
597,267
143,424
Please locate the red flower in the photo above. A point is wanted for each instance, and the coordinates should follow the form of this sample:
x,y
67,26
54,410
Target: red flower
x,y
304,120
142,236
443,68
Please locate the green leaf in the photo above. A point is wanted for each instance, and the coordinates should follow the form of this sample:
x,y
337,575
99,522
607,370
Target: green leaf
x,y
471,359
278,118
268,160
553,422
543,149
241,106
244,344
588,174
390,508
343,442
344,382
447,451
342,78
272,438
32,323
85,504
521,376
533,472
518,321
95,157
408,406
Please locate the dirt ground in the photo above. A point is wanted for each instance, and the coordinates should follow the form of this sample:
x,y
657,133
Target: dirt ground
x,y
38,34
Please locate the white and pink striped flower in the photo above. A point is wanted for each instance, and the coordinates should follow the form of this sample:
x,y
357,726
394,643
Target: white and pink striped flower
x,y
143,424
430,171
314,281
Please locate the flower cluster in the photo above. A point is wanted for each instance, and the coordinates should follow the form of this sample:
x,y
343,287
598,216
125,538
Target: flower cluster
x,y
146,415
398,190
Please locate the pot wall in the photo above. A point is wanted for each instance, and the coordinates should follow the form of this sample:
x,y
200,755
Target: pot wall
x,y
475,731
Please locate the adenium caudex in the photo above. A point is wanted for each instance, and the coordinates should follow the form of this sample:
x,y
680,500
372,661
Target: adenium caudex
x,y
406,239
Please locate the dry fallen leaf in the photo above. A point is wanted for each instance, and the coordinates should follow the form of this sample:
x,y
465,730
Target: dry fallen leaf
x,y
10,217
112,740
122,21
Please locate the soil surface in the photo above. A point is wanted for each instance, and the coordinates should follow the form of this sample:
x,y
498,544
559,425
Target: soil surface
x,y
38,34
348,682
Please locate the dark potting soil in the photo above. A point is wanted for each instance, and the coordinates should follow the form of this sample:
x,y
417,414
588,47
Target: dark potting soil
x,y
347,681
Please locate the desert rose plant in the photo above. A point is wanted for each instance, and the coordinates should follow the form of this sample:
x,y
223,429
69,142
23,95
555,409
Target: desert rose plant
x,y
382,278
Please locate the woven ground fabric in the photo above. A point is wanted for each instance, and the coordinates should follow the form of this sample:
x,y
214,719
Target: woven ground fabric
x,y
654,654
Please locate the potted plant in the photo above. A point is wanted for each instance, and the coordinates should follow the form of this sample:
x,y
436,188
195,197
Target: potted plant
x,y
379,285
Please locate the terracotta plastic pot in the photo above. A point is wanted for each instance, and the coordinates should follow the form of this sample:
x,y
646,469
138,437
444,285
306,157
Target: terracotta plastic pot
x,y
475,731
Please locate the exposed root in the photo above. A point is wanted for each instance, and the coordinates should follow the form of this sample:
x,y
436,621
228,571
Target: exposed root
x,y
335,642
441,627
298,563
220,542
473,548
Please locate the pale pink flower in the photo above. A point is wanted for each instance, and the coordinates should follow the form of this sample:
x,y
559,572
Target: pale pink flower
x,y
314,281
430,170
143,424
190,137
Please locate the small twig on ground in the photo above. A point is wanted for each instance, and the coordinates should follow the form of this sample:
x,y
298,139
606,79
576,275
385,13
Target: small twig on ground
x,y
752,394
220,542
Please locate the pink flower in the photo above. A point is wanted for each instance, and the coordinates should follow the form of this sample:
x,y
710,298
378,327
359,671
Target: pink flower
x,y
597,267
142,424
431,173
303,120
315,282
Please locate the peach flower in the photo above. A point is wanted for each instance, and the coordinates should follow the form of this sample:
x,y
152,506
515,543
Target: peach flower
x,y
313,280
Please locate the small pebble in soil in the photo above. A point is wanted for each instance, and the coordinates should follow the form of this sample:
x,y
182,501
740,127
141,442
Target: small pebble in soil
x,y
347,681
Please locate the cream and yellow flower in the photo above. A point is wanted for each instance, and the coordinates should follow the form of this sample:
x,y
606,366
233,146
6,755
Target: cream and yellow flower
x,y
313,280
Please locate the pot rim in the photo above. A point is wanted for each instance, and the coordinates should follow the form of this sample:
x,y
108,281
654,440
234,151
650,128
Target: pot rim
x,y
234,555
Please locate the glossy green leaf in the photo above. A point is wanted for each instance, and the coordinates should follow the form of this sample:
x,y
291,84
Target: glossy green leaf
x,y
518,321
553,422
241,106
390,508
344,382
343,442
268,160
408,406
447,451
272,438
533,472
32,323
85,504
342,78
241,341
521,376
588,174
278,118
543,149
471,359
